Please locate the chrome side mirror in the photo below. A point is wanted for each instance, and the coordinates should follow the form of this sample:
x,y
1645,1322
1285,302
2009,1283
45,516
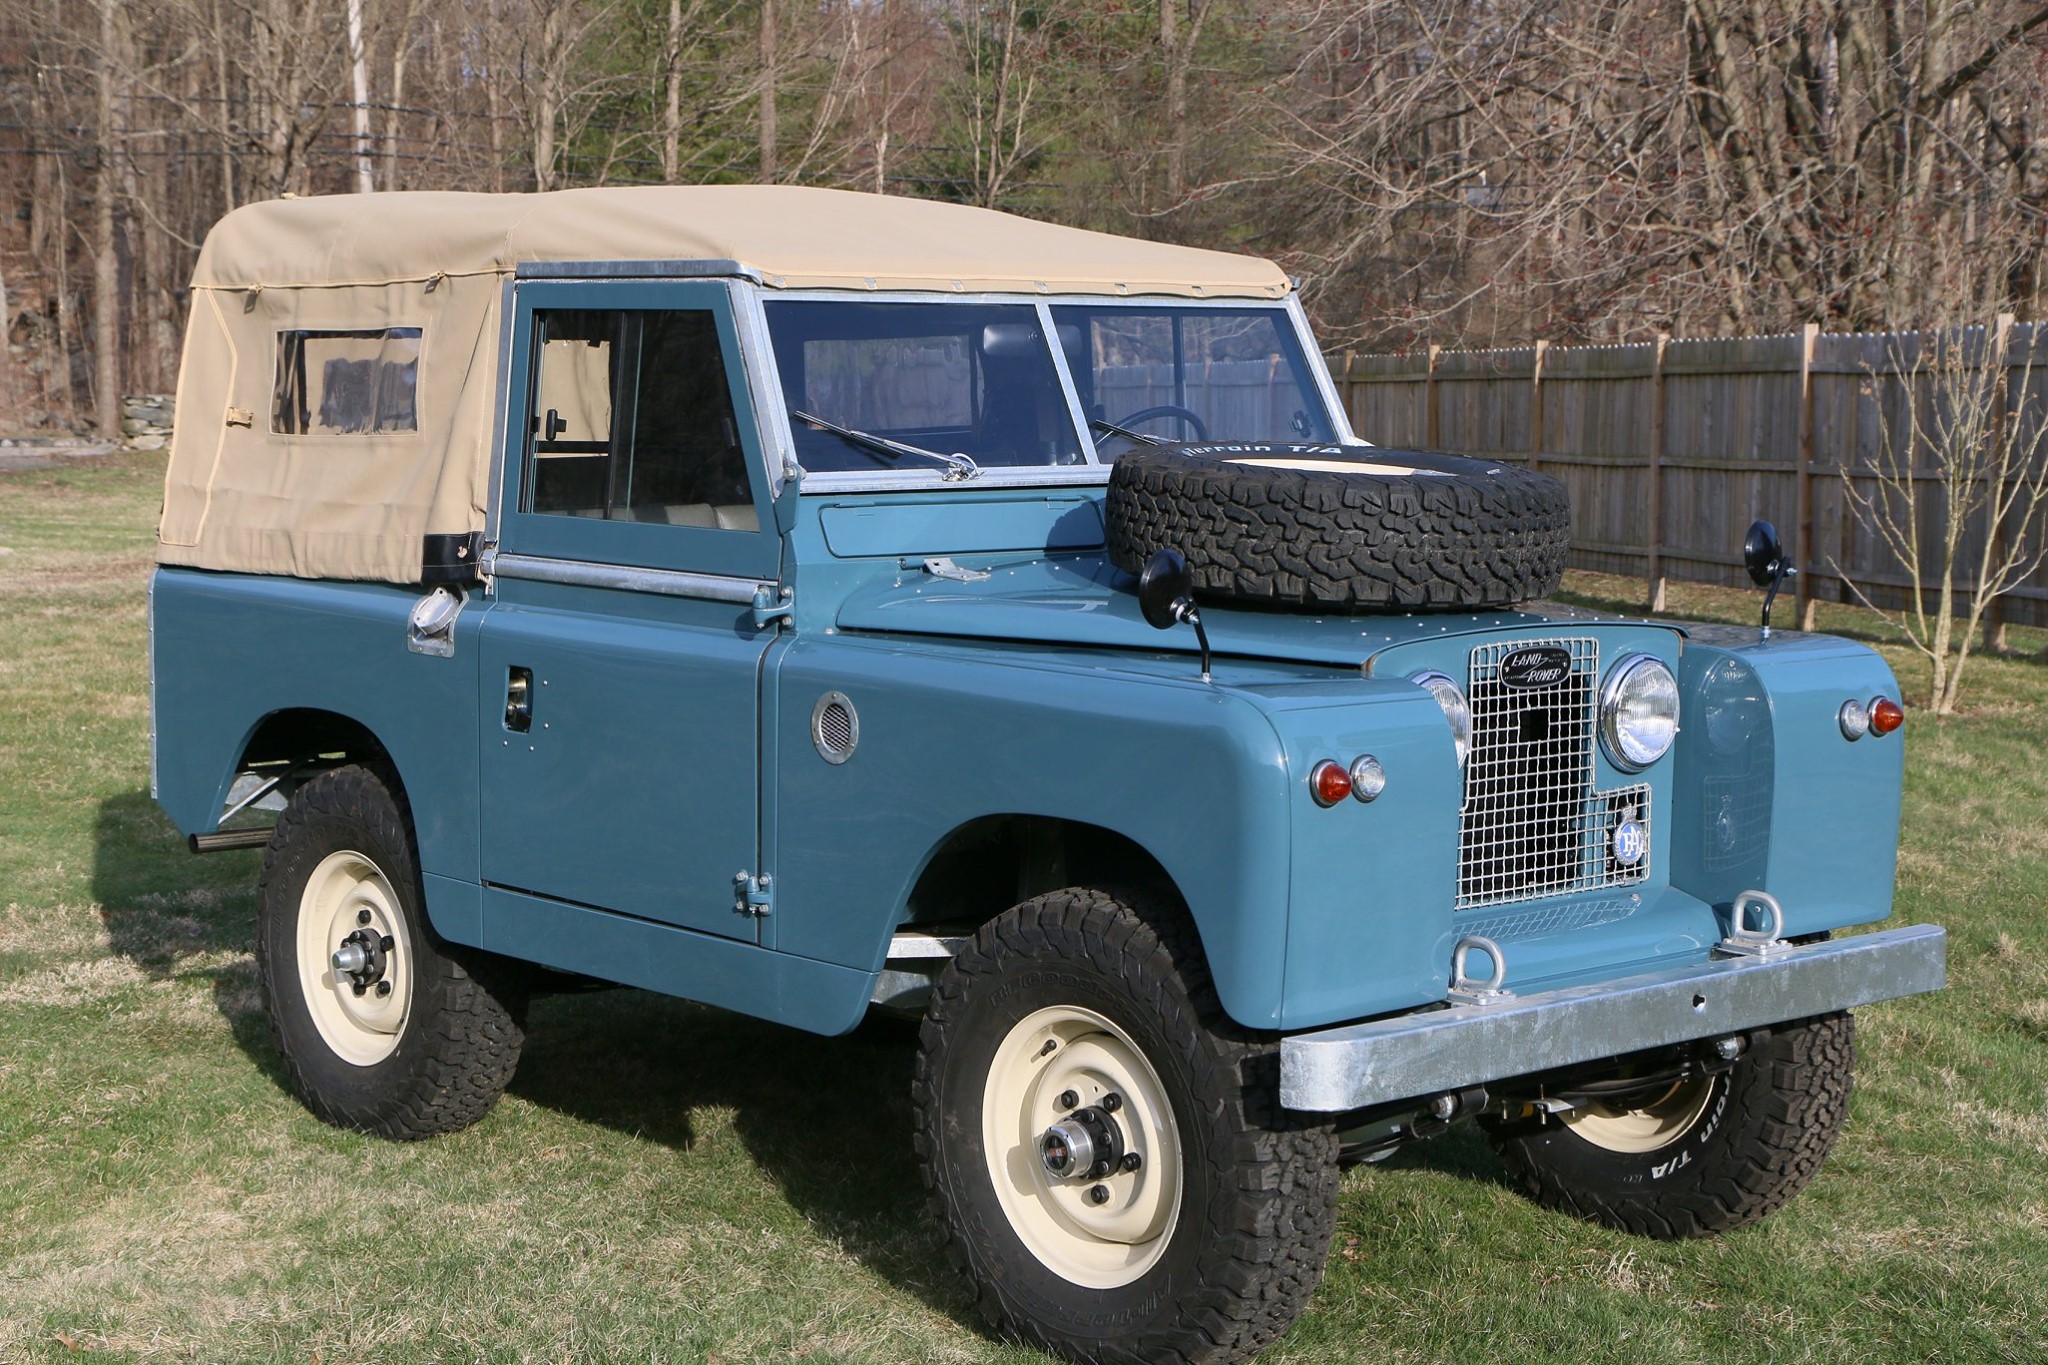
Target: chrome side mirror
x,y
1166,596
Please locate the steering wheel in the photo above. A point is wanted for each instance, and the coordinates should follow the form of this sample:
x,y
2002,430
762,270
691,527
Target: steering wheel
x,y
1166,410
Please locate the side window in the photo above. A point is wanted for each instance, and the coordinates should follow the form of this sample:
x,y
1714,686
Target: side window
x,y
346,383
632,420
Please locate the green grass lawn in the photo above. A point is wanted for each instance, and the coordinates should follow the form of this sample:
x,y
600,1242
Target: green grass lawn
x,y
668,1182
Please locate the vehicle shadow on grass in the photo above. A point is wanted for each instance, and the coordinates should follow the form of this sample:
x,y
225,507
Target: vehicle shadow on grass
x,y
180,916
827,1119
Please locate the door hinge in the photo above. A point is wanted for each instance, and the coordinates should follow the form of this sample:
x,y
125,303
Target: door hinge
x,y
771,606
752,895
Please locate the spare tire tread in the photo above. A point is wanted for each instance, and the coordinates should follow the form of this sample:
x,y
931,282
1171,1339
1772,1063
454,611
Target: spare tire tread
x,y
1471,534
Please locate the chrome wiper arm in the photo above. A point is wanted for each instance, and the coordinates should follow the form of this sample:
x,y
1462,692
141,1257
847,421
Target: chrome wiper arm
x,y
957,466
1140,437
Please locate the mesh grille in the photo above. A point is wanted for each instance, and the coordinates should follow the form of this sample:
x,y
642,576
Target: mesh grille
x,y
835,728
1532,825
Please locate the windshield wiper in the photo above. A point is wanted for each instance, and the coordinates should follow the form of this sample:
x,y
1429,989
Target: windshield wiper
x,y
957,466
1140,437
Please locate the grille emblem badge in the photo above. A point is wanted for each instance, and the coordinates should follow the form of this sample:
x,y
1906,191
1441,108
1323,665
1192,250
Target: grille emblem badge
x,y
1535,666
1631,841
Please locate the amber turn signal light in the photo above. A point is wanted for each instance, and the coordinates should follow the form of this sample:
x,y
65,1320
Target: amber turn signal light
x,y
1886,715
1329,783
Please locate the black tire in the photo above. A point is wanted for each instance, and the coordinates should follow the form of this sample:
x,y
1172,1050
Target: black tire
x,y
1762,1129
1243,1248
1392,531
452,1041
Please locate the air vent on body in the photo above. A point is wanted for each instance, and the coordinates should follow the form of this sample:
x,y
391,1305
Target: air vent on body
x,y
835,727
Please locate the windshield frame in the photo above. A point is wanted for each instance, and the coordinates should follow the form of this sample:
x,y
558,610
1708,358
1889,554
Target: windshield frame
x,y
1093,471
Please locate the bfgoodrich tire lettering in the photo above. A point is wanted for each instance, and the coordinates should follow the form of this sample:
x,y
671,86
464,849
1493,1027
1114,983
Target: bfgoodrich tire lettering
x,y
429,1056
1244,1212
1337,528
1705,1156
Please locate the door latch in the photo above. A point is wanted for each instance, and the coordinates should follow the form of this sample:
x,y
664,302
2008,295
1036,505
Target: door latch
x,y
752,895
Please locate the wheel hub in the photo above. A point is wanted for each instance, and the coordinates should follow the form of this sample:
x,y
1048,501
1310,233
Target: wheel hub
x,y
1085,1145
361,959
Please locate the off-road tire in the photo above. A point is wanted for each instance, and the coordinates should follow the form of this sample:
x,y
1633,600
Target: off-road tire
x,y
1762,1134
1258,1184
459,1039
1371,536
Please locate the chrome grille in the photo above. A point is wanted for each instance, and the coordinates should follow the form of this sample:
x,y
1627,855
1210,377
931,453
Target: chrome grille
x,y
1531,824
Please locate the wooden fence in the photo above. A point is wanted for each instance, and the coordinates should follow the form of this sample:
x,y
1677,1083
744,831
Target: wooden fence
x,y
1671,448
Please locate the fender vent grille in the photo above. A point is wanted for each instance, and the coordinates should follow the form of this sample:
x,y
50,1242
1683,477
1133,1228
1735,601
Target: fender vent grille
x,y
1532,825
835,727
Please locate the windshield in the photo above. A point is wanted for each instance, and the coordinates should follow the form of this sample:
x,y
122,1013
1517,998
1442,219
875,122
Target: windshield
x,y
956,378
1191,374
977,379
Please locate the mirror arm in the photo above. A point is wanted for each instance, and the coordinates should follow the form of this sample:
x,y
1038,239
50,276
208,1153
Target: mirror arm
x,y
1184,609
1780,571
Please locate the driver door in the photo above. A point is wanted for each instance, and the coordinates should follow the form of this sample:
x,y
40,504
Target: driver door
x,y
621,664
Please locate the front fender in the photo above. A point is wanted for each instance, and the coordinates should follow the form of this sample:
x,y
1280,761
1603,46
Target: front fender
x,y
1194,774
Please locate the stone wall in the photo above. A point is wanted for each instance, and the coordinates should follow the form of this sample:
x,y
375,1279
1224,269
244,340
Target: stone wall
x,y
146,421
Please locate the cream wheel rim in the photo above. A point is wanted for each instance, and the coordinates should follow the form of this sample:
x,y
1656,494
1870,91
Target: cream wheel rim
x,y
1667,1117
346,895
1049,1055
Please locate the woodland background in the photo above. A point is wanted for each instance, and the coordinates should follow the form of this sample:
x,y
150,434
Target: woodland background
x,y
1469,174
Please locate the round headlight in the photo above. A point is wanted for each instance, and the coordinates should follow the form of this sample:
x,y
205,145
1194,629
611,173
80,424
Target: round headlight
x,y
1638,712
1457,710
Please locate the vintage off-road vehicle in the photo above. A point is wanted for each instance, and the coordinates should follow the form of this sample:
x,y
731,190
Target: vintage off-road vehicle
x,y
804,602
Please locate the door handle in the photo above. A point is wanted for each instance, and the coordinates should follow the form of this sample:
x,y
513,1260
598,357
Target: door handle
x,y
519,699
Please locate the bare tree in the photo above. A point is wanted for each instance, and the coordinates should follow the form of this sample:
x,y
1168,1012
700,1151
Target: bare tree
x,y
1959,490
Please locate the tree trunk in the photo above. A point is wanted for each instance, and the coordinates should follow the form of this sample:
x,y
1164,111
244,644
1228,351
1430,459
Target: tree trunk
x,y
768,78
106,300
672,114
359,107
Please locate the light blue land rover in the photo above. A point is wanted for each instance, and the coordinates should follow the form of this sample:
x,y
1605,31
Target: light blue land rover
x,y
809,602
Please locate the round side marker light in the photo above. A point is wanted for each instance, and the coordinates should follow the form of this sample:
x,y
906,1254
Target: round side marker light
x,y
1329,783
1368,778
1886,715
1854,718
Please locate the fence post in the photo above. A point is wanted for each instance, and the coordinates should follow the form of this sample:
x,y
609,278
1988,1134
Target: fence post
x,y
1432,426
1536,407
1802,552
2001,382
1656,530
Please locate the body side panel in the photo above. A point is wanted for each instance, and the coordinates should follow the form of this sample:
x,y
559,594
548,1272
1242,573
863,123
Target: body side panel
x,y
232,649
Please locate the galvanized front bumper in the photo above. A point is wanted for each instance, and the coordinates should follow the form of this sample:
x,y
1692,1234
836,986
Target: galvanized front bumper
x,y
1419,1055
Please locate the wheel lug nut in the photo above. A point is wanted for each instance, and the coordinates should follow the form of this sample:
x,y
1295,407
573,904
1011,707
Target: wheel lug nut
x,y
383,988
362,917
1112,1102
1098,1194
1132,1161
357,987
1067,1100
387,943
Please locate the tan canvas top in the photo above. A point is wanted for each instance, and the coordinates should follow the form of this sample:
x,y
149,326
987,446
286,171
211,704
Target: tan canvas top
x,y
336,398
796,237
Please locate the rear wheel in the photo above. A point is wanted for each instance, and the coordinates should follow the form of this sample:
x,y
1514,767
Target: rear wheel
x,y
1697,1155
382,1027
1106,1150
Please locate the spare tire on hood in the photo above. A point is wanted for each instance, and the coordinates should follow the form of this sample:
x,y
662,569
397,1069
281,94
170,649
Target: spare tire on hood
x,y
1341,528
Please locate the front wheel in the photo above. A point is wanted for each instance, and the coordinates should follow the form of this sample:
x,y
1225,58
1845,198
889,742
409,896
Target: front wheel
x,y
1106,1150
1697,1154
